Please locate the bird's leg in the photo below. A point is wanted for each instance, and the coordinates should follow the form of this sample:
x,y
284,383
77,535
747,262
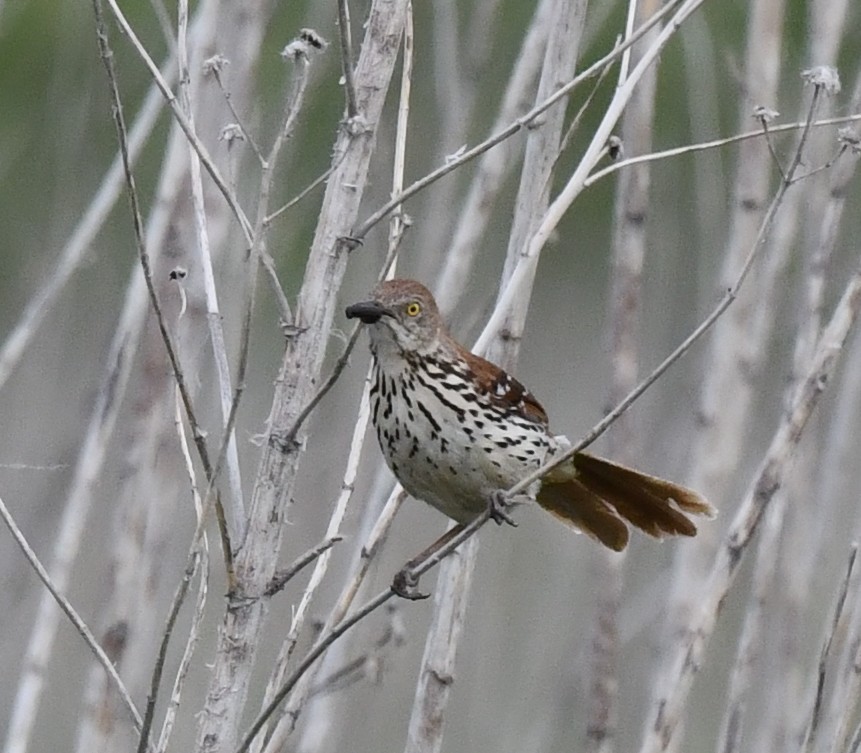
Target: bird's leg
x,y
405,583
499,506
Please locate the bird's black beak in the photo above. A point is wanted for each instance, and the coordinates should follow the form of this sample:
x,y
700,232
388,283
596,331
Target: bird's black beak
x,y
368,311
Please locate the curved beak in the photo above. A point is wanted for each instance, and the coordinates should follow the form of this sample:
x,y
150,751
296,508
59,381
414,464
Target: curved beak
x,y
368,311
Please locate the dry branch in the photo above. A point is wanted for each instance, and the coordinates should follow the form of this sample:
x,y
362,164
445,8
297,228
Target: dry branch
x,y
772,471
258,552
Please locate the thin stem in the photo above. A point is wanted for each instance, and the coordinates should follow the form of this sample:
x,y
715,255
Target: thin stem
x,y
516,126
825,653
346,39
161,656
170,98
283,577
199,562
213,318
292,107
715,144
342,627
216,74
198,435
312,656
338,368
319,180
73,616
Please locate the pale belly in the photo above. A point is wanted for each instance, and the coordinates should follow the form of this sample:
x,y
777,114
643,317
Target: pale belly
x,y
455,454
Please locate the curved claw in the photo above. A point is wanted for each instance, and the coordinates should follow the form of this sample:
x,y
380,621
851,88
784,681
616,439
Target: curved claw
x,y
499,509
405,585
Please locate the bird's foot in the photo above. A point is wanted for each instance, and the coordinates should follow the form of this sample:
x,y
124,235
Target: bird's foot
x,y
499,507
405,585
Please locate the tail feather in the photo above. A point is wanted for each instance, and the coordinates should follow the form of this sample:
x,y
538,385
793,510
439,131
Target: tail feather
x,y
574,504
594,495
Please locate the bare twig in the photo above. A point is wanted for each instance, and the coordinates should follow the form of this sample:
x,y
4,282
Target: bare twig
x,y
200,560
170,98
345,37
315,653
319,180
331,635
397,222
716,144
213,313
437,671
689,653
360,667
298,54
528,259
283,577
320,569
191,643
215,66
158,666
397,225
825,653
495,166
337,369
516,126
198,563
245,617
137,224
629,242
73,616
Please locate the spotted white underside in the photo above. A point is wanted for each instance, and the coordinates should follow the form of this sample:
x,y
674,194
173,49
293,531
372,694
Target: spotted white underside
x,y
449,445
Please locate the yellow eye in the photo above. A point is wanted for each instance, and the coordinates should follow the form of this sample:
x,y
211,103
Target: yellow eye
x,y
413,309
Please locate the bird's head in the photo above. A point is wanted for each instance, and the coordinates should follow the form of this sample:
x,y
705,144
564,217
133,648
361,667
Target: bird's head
x,y
401,316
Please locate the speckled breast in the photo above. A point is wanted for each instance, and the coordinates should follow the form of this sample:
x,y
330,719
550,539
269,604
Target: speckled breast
x,y
449,443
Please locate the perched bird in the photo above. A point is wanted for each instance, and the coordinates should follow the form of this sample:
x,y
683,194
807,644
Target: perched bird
x,y
455,429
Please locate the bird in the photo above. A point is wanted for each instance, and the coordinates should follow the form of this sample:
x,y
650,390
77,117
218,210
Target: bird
x,y
456,431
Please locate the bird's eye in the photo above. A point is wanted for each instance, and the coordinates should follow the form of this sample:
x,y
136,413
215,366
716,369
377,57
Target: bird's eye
x,y
414,308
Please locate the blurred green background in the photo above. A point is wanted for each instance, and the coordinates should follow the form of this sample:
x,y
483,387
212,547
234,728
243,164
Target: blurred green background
x,y
530,623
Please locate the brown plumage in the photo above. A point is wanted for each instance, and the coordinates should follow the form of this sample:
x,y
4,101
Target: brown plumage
x,y
454,428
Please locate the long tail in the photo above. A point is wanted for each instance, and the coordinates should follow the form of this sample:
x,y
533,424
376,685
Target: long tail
x,y
597,497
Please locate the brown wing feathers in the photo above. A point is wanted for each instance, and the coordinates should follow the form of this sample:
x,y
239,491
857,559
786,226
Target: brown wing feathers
x,y
502,388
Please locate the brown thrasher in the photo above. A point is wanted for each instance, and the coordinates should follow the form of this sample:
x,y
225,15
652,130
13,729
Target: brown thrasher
x,y
456,430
